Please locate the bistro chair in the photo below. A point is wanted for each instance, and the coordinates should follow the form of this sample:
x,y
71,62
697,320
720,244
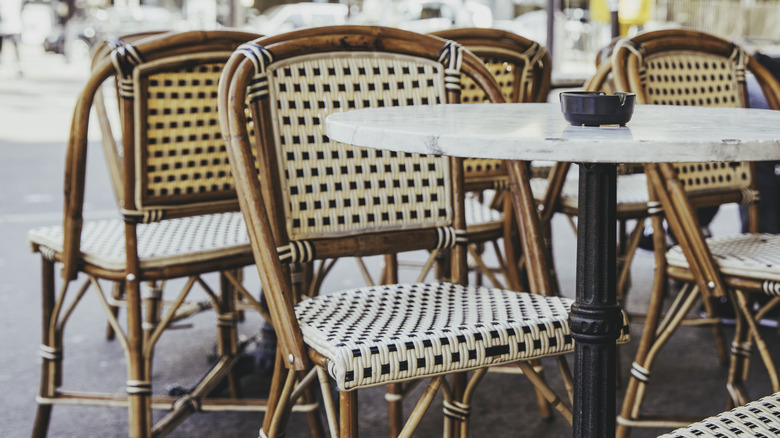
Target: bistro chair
x,y
684,67
317,199
760,418
179,218
522,68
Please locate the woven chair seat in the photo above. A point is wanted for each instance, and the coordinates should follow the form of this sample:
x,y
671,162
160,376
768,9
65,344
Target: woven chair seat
x,y
760,418
480,216
166,243
631,192
374,335
745,255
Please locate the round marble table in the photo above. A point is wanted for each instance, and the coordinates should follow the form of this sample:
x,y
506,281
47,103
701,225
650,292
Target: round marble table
x,y
538,131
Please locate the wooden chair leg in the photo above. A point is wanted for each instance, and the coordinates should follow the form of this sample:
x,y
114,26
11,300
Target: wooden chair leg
x,y
348,414
227,332
739,361
654,336
277,414
395,408
313,417
638,379
152,298
48,366
717,334
139,387
118,291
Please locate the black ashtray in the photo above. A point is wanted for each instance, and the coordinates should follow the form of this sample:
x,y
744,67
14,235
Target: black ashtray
x,y
594,108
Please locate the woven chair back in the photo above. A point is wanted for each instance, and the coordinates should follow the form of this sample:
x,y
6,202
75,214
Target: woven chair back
x,y
522,68
175,161
324,199
684,67
331,188
172,159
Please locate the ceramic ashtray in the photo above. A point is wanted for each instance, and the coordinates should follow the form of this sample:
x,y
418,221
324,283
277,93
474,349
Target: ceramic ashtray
x,y
595,108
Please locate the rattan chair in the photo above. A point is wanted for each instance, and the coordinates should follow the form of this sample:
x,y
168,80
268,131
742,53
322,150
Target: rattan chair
x,y
682,67
759,419
317,199
522,68
179,218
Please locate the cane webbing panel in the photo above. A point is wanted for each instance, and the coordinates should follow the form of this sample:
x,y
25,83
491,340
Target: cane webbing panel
x,y
170,242
692,78
754,256
506,74
760,419
185,150
713,176
483,167
631,192
333,188
180,155
695,78
374,335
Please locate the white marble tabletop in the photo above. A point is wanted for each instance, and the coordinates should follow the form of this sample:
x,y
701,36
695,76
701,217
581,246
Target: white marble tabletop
x,y
538,131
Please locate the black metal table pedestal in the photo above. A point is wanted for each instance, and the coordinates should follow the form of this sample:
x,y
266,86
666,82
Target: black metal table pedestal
x,y
595,317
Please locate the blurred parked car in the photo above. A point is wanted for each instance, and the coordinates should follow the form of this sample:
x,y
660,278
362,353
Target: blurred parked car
x,y
287,17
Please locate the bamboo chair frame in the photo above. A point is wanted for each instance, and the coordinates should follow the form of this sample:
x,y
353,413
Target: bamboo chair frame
x,y
170,59
710,71
261,66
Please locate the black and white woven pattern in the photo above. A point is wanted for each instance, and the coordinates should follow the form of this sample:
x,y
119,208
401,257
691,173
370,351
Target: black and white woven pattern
x,y
163,243
760,419
746,255
373,335
332,188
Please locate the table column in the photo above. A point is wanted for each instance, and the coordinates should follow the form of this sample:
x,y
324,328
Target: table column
x,y
595,317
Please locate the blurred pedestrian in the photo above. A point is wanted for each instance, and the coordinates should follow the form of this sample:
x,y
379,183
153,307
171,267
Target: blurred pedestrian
x,y
11,28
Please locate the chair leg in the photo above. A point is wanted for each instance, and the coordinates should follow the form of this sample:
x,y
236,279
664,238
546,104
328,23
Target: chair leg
x,y
395,408
313,417
348,414
152,298
49,367
275,419
717,334
227,333
139,387
744,305
740,359
118,291
654,337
